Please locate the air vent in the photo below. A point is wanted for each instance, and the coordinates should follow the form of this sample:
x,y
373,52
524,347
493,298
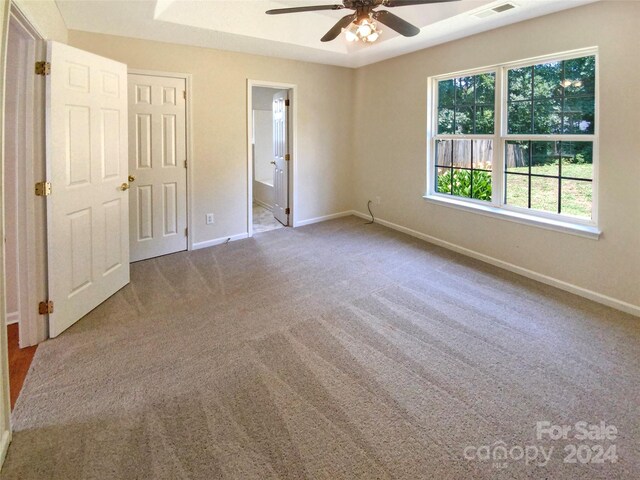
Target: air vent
x,y
503,8
493,10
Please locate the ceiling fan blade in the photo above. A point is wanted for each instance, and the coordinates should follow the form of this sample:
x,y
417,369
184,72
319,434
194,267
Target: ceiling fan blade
x,y
279,11
406,3
344,22
396,23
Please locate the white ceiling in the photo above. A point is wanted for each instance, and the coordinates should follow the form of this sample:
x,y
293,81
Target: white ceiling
x,y
242,26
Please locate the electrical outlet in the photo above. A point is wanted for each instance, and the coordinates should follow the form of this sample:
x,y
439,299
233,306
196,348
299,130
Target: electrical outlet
x,y
378,200
210,219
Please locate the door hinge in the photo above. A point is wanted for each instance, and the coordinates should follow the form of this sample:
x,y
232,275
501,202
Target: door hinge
x,y
185,164
287,157
184,94
286,102
43,68
43,189
186,232
45,308
287,211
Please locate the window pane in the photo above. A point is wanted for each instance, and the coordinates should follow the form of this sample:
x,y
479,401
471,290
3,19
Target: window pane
x,y
484,119
461,153
517,190
580,76
456,151
445,120
446,92
544,194
579,115
517,156
545,158
485,88
482,154
465,91
576,198
443,153
519,83
519,118
482,164
464,120
481,185
547,117
462,183
577,160
547,80
443,183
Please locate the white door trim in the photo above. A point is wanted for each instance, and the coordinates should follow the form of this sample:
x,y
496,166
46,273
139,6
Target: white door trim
x,y
5,404
293,130
32,218
187,77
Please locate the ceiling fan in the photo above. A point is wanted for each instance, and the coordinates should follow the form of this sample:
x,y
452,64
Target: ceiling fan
x,y
365,12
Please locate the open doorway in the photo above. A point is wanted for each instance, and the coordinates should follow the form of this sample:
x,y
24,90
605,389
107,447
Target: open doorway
x,y
24,222
270,169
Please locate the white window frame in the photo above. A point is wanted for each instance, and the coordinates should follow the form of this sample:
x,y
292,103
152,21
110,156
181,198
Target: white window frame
x,y
497,207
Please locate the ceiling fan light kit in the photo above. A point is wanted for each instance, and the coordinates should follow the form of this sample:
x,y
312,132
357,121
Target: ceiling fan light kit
x,y
365,30
361,25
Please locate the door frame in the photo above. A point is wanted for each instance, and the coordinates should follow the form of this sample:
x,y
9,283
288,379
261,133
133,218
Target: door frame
x,y
188,78
293,146
5,403
33,328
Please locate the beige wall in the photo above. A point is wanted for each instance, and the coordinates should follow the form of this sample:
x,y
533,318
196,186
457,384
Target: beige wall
x,y
45,18
220,125
390,151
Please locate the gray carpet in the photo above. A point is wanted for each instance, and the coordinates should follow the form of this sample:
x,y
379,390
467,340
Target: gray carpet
x,y
333,351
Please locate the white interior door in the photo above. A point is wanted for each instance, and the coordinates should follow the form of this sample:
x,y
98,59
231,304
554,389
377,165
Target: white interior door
x,y
281,158
87,211
157,161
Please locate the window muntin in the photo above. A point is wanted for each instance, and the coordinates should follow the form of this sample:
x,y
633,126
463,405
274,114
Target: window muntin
x,y
545,137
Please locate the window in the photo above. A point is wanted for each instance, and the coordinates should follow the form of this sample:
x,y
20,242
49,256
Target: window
x,y
463,156
529,150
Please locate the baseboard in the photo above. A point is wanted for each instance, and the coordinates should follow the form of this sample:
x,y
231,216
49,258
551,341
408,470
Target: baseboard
x,y
219,241
569,287
13,318
262,204
324,218
5,440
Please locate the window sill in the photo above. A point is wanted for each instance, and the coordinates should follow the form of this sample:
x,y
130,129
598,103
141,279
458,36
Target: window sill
x,y
586,231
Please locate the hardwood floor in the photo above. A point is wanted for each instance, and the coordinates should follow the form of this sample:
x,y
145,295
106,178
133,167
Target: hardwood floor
x,y
19,362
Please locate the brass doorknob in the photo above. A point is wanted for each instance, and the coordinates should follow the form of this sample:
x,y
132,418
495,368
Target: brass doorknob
x,y
124,187
132,179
